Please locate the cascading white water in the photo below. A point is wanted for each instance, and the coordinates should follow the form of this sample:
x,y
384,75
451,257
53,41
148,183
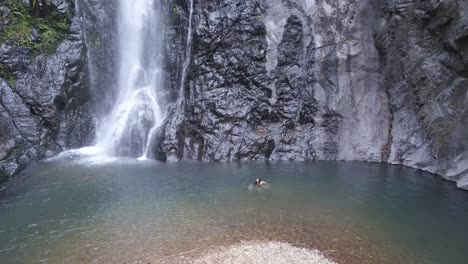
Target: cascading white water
x,y
129,128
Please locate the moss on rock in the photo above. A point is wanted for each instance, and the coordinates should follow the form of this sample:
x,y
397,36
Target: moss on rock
x,y
7,76
52,27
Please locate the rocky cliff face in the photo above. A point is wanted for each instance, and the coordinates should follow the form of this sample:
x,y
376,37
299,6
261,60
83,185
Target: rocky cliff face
x,y
382,81
377,81
54,58
424,62
44,101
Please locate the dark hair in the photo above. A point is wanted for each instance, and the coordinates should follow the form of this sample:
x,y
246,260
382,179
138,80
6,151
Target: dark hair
x,y
259,180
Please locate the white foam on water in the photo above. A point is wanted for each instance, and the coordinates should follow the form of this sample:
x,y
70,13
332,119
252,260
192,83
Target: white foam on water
x,y
92,150
76,153
92,155
142,158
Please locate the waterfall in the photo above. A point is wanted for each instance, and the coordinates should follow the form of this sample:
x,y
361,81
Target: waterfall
x,y
136,115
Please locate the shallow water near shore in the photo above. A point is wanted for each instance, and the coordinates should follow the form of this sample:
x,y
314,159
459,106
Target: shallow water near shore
x,y
125,211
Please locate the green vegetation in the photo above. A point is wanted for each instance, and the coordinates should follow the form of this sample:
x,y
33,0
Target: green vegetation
x,y
175,10
7,76
51,25
96,42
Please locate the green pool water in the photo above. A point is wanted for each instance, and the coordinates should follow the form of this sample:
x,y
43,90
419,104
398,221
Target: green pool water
x,y
124,211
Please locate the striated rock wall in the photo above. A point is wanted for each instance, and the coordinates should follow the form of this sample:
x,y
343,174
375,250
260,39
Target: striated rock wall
x,y
50,84
100,38
323,80
424,60
295,80
44,100
284,80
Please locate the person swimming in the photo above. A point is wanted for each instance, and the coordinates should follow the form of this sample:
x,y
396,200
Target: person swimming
x,y
259,185
259,182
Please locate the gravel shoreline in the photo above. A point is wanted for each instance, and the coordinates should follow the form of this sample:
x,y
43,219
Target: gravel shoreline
x,y
256,252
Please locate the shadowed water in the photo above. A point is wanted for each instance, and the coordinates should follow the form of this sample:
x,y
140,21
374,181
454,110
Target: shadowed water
x,y
127,211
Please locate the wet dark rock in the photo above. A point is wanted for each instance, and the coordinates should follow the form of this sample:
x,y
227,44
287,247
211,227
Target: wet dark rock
x,y
423,52
48,106
99,26
311,80
259,89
